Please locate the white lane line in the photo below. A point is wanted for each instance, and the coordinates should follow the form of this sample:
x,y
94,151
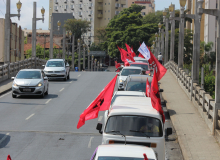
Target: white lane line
x,y
5,94
48,101
100,118
30,116
79,75
71,82
61,89
4,138
90,142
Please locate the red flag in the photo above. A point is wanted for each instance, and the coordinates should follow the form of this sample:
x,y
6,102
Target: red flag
x,y
145,157
126,63
148,89
117,65
127,55
140,55
139,43
160,69
155,96
130,50
9,157
122,55
101,103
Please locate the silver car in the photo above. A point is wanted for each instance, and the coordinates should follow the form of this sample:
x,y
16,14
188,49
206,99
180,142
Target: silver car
x,y
57,69
30,82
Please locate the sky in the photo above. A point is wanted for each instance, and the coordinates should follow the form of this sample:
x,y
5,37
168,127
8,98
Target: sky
x,y
27,11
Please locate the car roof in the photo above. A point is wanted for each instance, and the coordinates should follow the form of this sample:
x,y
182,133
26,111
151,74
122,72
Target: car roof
x,y
132,67
130,93
139,58
140,63
125,151
56,60
141,106
139,78
31,70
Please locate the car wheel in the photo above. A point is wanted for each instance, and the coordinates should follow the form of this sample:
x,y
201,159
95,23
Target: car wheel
x,y
46,93
68,77
42,95
14,96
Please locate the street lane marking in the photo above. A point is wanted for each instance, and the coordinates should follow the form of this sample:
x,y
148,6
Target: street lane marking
x,y
61,89
79,75
5,94
4,138
71,81
48,101
30,116
90,142
100,118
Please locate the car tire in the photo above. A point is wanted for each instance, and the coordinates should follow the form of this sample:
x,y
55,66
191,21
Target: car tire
x,y
68,77
42,95
14,96
46,93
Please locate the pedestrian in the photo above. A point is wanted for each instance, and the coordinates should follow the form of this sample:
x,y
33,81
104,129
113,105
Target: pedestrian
x,y
160,58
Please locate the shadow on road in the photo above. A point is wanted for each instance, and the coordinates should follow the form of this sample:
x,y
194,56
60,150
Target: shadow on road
x,y
4,139
171,112
49,96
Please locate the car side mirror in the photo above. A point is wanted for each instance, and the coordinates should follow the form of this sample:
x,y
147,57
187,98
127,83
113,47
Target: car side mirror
x,y
45,78
43,65
99,127
161,90
169,131
12,78
67,65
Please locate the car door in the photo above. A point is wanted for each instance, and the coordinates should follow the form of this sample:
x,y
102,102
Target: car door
x,y
45,81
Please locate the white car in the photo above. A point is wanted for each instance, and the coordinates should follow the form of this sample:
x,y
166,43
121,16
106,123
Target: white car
x,y
30,82
57,69
125,72
123,152
135,119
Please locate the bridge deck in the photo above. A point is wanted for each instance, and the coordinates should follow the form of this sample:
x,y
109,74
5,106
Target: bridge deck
x,y
194,136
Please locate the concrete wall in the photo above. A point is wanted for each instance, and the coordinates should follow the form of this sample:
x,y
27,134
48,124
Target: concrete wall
x,y
2,40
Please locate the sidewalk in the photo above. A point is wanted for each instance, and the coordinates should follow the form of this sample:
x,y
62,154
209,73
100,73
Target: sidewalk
x,y
5,86
194,137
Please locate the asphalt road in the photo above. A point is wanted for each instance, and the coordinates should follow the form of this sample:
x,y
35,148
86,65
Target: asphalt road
x,y
35,128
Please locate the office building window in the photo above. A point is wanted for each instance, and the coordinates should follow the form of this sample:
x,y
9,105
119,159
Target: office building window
x,y
143,13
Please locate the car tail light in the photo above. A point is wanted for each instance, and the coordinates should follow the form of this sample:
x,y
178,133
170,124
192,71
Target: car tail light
x,y
153,145
111,142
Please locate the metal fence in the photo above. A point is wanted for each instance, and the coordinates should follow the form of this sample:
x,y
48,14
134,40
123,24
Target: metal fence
x,y
200,98
10,70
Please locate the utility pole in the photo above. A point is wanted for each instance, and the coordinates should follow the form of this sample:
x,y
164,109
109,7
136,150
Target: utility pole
x,y
84,56
79,54
34,24
88,59
166,21
172,41
64,43
73,50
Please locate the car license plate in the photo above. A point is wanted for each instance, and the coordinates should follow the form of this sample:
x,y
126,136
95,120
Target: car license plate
x,y
53,75
26,90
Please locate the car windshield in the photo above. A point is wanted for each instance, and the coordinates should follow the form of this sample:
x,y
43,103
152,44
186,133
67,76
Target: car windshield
x,y
144,61
126,72
55,64
139,126
136,86
144,66
29,75
120,158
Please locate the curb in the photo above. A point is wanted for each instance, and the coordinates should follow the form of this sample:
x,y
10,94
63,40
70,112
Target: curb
x,y
5,91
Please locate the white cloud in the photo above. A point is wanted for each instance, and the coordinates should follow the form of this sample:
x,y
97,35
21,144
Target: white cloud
x,y
27,12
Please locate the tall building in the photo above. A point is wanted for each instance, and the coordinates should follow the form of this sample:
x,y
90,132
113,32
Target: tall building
x,y
98,12
148,4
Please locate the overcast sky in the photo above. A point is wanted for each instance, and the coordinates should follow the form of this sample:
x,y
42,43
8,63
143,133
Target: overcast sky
x,y
27,11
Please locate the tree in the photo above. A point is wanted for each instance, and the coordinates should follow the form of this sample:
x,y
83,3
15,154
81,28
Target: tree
x,y
101,34
78,27
155,17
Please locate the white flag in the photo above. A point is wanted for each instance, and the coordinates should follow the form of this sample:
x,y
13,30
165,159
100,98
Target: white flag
x,y
144,51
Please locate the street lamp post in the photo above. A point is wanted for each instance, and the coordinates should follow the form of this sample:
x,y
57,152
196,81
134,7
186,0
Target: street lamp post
x,y
64,43
51,36
160,38
95,65
157,44
166,21
84,56
216,13
88,59
92,63
73,47
79,54
172,41
8,15
34,24
154,47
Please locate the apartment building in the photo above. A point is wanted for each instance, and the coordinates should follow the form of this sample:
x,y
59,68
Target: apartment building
x,y
17,42
98,12
149,5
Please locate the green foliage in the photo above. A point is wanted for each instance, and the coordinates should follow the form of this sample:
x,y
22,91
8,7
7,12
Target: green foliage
x,y
95,47
25,41
155,17
209,81
77,26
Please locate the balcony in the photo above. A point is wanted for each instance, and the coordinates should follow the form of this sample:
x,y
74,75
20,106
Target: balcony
x,y
123,1
80,6
72,7
56,8
100,8
81,0
72,1
100,1
65,1
56,1
100,15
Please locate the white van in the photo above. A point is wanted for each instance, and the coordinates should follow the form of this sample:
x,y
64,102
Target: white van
x,y
134,120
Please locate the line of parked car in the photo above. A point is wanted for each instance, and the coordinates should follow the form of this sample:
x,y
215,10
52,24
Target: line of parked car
x,y
35,81
132,127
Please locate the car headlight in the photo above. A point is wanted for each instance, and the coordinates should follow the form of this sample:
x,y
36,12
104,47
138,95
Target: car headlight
x,y
121,81
40,84
15,85
45,71
63,71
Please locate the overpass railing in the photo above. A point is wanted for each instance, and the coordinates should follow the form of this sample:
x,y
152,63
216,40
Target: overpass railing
x,y
200,98
10,70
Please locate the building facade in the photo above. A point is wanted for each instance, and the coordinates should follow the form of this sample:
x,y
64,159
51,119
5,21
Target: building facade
x,y
148,4
98,12
16,45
